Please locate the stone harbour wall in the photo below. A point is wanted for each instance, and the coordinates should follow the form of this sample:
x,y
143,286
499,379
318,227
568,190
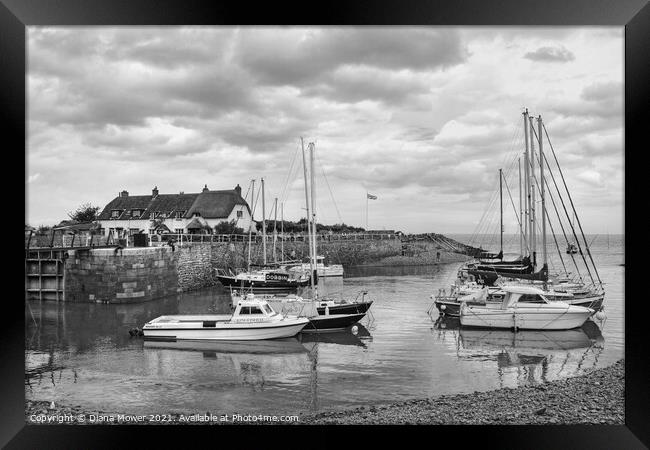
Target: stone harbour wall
x,y
120,276
145,273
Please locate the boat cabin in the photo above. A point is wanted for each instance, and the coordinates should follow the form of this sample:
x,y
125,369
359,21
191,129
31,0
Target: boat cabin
x,y
251,309
522,295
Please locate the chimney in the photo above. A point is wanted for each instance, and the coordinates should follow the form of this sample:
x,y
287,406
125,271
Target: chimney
x,y
238,190
124,194
205,188
154,192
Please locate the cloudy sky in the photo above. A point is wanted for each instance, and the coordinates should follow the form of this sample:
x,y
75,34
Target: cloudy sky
x,y
421,117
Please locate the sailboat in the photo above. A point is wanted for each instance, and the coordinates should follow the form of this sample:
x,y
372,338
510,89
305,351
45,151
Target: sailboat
x,y
558,287
324,313
268,278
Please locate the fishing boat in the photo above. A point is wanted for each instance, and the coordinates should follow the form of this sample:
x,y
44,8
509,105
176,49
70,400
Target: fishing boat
x,y
253,319
524,308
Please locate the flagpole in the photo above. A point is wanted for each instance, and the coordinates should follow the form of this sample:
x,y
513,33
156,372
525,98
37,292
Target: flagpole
x,y
366,210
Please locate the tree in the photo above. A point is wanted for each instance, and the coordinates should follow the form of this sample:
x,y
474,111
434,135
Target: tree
x,y
85,213
228,228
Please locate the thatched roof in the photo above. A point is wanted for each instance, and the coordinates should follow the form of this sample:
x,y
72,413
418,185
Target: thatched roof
x,y
208,204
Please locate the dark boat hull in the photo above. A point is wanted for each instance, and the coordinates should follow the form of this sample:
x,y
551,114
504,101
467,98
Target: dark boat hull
x,y
346,308
261,287
332,322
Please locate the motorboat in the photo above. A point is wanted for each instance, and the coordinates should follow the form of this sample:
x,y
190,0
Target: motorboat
x,y
252,319
523,308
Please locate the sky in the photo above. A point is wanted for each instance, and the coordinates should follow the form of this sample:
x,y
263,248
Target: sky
x,y
421,117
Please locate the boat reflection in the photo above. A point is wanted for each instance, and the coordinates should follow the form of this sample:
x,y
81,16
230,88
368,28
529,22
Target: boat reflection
x,y
529,356
355,335
268,346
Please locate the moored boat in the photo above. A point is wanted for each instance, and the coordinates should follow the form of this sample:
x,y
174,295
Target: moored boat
x,y
253,319
524,308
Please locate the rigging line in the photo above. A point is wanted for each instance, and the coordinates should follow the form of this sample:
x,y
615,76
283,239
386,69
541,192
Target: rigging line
x,y
322,167
572,205
515,210
545,181
289,173
557,213
566,214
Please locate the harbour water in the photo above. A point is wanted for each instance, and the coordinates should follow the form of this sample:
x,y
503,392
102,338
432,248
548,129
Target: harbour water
x,y
82,354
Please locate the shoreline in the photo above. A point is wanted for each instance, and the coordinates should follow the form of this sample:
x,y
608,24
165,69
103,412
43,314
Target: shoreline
x,y
597,397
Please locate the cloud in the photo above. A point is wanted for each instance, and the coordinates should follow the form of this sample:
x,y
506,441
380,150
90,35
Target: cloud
x,y
422,116
32,178
550,54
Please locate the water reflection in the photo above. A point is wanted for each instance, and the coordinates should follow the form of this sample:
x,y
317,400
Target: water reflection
x,y
530,356
355,335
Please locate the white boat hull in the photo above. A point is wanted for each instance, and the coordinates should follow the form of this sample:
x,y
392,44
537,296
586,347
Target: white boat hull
x,y
225,331
562,317
335,270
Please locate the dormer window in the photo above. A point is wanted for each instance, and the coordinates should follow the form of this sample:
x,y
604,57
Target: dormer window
x,y
115,213
196,214
180,214
136,213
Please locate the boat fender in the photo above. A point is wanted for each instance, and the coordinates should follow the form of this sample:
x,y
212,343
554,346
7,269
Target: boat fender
x,y
600,315
443,307
355,329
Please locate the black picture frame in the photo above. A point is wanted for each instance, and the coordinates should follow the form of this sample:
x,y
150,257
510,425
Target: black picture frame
x,y
634,15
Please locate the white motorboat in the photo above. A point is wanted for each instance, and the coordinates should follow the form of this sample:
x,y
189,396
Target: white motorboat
x,y
524,308
253,319
331,270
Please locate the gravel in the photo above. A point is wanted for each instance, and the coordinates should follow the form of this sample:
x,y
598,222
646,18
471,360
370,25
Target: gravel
x,y
594,398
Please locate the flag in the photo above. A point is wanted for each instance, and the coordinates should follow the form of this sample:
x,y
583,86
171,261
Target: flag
x,y
371,197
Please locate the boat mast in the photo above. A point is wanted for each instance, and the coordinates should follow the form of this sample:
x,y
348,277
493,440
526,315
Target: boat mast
x,y
282,229
526,186
250,228
521,232
311,260
533,231
314,274
541,178
263,224
275,228
501,213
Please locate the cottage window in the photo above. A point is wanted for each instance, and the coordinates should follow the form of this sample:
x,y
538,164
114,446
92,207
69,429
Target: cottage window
x,y
115,213
180,214
136,213
178,231
240,214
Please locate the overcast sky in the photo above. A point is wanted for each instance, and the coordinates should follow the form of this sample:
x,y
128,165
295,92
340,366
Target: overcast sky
x,y
421,117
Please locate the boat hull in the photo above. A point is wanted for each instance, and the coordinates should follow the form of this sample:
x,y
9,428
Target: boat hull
x,y
563,317
333,322
346,308
226,332
260,287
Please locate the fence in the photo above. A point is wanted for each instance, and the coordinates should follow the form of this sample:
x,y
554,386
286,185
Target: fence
x,y
182,238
